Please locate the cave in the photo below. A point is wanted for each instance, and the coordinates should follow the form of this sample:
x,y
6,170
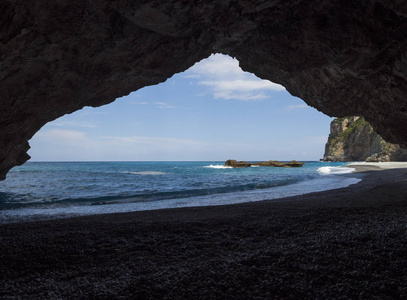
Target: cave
x,y
341,57
211,112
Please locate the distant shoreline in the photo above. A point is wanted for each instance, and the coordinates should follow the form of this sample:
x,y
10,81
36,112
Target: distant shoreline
x,y
374,166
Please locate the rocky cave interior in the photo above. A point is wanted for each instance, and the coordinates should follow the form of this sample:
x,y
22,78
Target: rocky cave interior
x,y
341,57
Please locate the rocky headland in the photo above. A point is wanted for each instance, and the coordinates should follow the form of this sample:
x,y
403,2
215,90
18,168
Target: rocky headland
x,y
354,139
271,163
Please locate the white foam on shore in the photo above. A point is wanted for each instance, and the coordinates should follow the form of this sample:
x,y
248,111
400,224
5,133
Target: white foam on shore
x,y
217,167
381,165
334,170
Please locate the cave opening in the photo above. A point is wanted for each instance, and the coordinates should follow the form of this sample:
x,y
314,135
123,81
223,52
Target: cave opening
x,y
211,112
166,143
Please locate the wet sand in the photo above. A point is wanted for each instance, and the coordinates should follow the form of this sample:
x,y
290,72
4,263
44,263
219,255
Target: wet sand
x,y
344,243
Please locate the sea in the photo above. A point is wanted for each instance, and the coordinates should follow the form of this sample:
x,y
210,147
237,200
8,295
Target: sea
x,y
49,190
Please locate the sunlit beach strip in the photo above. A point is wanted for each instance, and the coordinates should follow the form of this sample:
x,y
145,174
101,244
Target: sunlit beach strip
x,y
380,165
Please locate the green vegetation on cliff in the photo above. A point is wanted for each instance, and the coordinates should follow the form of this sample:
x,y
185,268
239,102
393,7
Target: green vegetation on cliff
x,y
354,126
353,139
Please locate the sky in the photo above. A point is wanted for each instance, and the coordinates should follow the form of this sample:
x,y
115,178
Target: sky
x,y
212,112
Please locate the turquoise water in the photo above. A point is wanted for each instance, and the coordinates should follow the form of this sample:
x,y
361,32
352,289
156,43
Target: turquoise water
x,y
40,190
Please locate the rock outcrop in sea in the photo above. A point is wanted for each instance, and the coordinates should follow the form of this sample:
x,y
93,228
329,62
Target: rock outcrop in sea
x,y
271,163
354,139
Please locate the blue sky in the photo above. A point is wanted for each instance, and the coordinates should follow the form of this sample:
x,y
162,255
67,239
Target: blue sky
x,y
212,111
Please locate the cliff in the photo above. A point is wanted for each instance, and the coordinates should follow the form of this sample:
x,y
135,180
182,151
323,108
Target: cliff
x,y
353,139
342,57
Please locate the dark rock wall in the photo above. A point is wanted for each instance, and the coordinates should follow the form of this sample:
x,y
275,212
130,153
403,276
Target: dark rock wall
x,y
341,57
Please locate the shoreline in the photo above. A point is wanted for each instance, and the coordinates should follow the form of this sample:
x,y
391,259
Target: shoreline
x,y
376,166
347,242
327,180
370,175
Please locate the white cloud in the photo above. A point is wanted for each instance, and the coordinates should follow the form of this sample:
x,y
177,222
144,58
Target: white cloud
x,y
229,95
242,89
58,145
293,107
78,138
163,105
195,76
243,85
217,65
85,118
70,145
153,142
64,137
226,80
83,124
160,105
89,111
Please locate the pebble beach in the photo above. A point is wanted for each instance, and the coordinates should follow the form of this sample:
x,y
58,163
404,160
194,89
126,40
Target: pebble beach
x,y
343,243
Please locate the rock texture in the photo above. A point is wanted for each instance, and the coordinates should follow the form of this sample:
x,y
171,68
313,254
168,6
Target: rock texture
x,y
237,164
271,163
353,139
342,57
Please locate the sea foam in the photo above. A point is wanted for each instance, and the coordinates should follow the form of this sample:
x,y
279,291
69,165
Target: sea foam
x,y
334,170
217,167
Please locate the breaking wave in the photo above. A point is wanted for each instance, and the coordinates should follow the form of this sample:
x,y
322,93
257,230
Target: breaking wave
x,y
334,170
217,167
